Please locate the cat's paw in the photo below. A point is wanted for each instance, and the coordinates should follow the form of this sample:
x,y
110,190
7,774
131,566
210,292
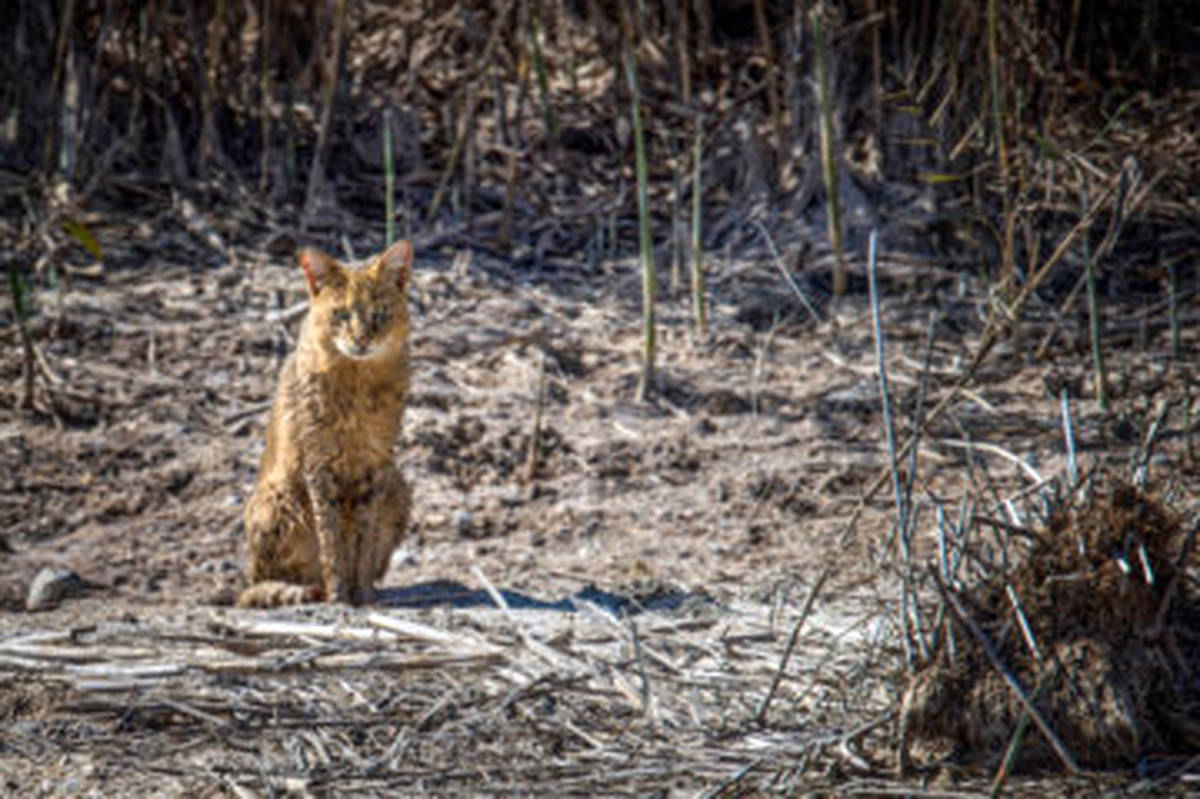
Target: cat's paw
x,y
335,591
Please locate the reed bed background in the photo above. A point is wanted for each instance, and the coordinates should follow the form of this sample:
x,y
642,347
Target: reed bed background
x,y
958,128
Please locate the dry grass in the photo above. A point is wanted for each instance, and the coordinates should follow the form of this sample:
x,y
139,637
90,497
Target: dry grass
x,y
477,700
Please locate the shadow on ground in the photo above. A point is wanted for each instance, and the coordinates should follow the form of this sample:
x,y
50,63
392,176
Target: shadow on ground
x,y
448,593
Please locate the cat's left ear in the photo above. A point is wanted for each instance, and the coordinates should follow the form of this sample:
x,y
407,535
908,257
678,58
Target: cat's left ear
x,y
396,263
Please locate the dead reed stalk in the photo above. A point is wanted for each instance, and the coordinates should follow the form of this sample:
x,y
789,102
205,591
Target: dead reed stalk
x,y
644,234
333,72
829,170
699,304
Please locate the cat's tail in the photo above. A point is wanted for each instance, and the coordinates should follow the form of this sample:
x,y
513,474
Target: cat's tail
x,y
275,593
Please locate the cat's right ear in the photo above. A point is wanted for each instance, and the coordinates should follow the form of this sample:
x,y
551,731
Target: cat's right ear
x,y
396,263
319,269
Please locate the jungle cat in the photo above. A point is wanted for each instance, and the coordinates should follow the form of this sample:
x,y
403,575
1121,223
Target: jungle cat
x,y
330,505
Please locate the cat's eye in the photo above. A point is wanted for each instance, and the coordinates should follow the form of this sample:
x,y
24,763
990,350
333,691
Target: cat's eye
x,y
341,315
380,317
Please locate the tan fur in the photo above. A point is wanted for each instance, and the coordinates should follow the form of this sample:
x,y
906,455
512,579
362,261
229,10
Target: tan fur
x,y
330,506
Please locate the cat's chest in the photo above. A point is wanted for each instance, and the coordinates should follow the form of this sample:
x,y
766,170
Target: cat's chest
x,y
353,437
363,415
348,415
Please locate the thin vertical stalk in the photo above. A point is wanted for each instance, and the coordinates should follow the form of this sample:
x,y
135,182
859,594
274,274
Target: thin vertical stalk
x,y
522,77
889,428
466,121
681,45
704,31
773,104
1089,267
828,163
1069,47
677,222
1009,762
884,393
264,103
200,75
1149,18
316,173
389,180
60,57
881,364
1189,422
918,414
209,141
1069,437
648,332
140,72
500,99
510,190
793,56
533,454
877,68
20,298
289,122
543,77
1173,313
699,309
68,109
467,174
993,50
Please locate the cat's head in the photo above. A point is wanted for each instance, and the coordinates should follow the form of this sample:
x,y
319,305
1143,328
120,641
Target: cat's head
x,y
361,312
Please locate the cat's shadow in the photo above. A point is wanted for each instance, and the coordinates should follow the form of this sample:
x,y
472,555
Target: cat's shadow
x,y
448,593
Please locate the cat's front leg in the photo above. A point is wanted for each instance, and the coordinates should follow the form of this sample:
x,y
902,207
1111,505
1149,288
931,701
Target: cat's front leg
x,y
381,520
366,531
322,490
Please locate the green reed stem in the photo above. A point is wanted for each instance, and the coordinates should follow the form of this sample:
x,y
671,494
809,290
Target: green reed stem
x,y
648,342
828,163
699,306
389,180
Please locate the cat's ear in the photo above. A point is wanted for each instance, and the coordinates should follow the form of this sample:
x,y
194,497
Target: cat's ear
x,y
396,264
319,269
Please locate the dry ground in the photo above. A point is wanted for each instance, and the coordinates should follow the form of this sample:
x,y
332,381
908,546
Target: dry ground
x,y
715,506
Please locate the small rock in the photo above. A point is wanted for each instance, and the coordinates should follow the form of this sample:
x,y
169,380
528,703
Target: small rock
x,y
224,597
512,498
51,585
401,557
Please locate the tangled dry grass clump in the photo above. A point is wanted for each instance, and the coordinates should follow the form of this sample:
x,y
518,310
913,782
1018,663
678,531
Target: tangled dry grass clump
x,y
1098,624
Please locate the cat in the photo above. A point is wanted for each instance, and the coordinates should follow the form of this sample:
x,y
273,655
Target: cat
x,y
330,505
